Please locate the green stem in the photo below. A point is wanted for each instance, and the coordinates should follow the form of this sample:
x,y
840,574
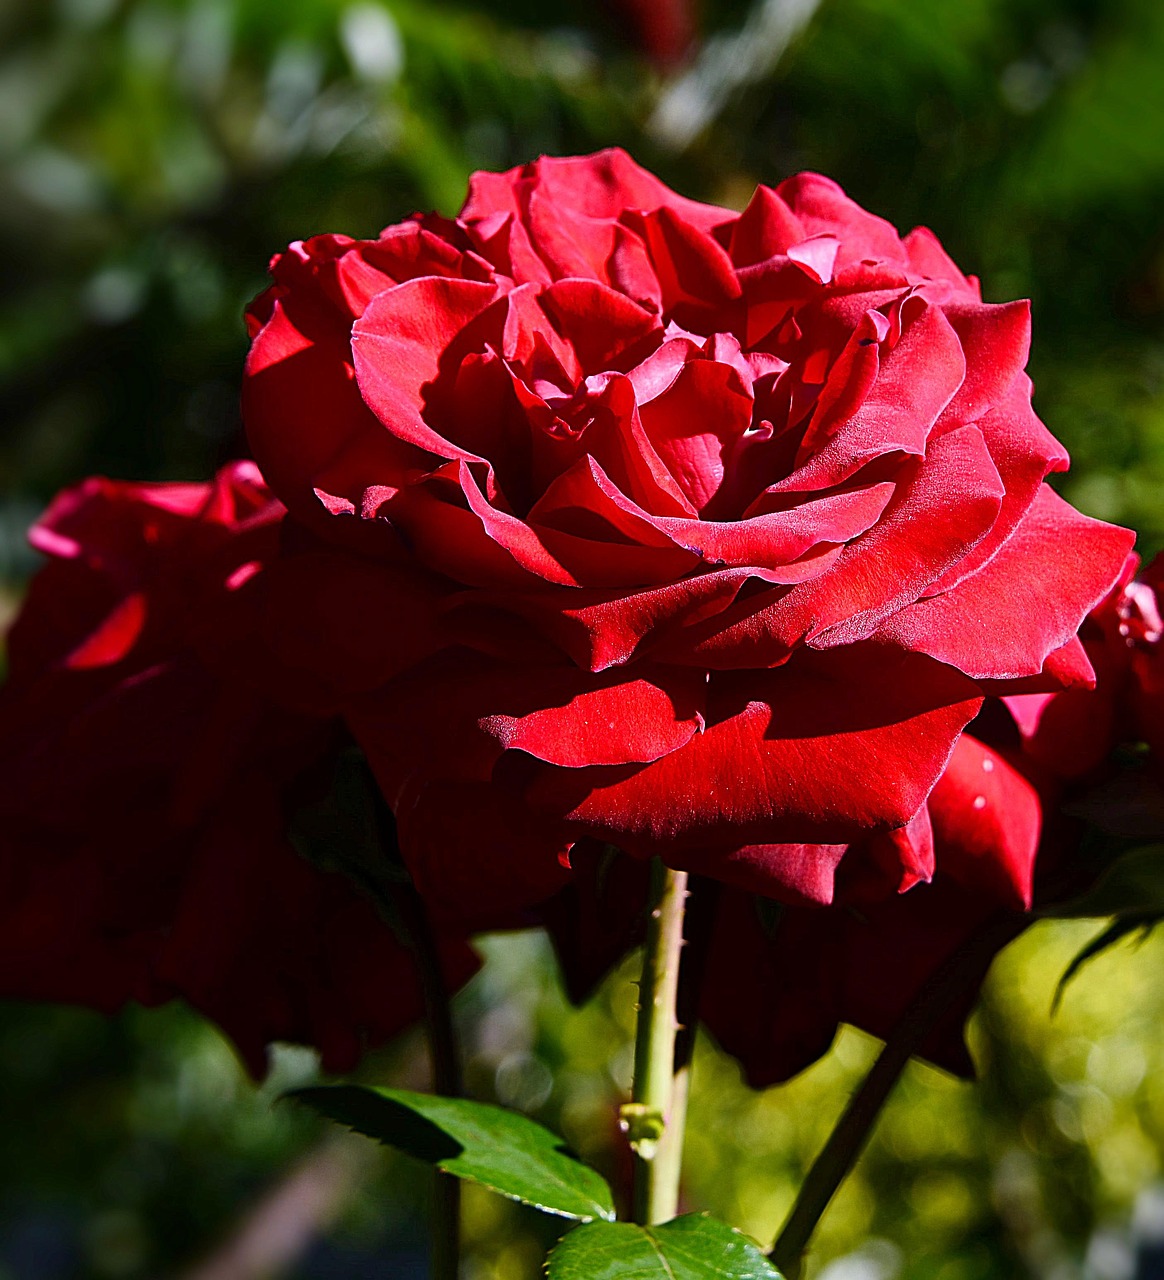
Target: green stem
x,y
652,1121
852,1131
446,1074
401,901
699,920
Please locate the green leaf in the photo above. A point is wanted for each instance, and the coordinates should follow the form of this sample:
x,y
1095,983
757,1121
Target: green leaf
x,y
502,1150
695,1247
1115,932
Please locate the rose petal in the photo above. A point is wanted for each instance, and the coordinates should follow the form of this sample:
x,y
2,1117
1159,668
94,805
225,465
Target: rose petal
x,y
996,340
814,751
399,345
1025,453
929,259
987,820
767,227
824,209
945,508
884,407
1059,563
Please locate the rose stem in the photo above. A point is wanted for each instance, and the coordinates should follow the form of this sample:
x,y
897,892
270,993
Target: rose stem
x,y
446,1077
852,1130
444,1052
651,1112
702,900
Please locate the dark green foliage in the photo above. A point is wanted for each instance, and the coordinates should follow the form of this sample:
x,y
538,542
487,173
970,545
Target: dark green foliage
x,y
692,1248
502,1150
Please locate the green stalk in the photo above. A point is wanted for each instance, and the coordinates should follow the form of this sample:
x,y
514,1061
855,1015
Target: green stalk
x,y
400,903
852,1131
446,1075
653,1120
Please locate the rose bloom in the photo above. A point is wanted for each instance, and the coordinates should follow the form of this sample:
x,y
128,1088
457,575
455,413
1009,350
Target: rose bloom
x,y
146,788
699,533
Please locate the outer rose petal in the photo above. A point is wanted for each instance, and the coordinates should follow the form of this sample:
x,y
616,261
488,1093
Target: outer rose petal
x,y
603,185
288,948
927,256
823,208
996,340
1037,590
815,751
308,653
863,967
299,376
796,874
1025,453
455,716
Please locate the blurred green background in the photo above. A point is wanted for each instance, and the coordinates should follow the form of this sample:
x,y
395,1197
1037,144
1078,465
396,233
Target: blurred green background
x,y
155,153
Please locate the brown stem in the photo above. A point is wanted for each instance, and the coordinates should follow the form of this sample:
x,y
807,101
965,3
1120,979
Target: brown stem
x,y
852,1131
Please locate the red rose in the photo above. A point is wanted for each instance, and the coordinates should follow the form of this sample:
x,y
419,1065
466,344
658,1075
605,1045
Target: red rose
x,y
144,789
710,530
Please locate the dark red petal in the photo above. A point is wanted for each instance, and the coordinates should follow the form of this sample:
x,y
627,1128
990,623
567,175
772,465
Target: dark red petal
x,y
1027,602
306,422
987,820
795,874
871,408
476,854
945,508
772,989
398,346
814,751
312,655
